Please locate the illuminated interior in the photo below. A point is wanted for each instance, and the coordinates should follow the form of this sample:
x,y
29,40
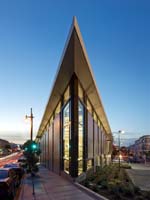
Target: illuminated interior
x,y
66,136
80,137
89,164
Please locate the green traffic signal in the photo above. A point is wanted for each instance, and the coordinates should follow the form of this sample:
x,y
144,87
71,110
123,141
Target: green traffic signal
x,y
34,146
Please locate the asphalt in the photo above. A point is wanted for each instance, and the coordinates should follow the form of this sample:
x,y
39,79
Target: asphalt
x,y
50,186
140,175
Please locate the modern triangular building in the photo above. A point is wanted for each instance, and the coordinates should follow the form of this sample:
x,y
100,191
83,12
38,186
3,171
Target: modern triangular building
x,y
74,133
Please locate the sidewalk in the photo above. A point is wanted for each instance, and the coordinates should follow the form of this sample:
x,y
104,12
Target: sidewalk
x,y
50,186
140,176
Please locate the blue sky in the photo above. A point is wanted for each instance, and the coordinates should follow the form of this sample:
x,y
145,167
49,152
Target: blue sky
x,y
117,38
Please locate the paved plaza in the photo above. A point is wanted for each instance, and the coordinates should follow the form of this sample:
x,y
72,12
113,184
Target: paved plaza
x,y
140,175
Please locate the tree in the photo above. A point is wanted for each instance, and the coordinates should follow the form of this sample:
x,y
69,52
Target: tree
x,y
7,146
31,152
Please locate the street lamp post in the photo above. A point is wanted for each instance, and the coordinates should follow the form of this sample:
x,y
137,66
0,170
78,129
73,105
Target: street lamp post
x,y
31,135
31,119
119,132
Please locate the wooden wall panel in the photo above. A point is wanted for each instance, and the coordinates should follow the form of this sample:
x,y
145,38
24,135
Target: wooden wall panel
x,y
100,140
90,136
95,139
57,144
41,147
47,144
50,146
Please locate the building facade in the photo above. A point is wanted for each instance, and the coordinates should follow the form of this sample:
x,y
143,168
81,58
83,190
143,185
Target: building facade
x,y
141,146
74,133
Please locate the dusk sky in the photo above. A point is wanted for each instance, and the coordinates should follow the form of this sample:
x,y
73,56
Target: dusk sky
x,y
116,34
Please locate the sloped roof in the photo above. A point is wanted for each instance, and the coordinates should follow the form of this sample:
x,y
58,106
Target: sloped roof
x,y
74,60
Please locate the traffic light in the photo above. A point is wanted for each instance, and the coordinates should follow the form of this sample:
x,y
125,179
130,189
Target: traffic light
x,y
33,146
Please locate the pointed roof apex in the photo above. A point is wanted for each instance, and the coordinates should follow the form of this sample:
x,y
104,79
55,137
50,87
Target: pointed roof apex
x,y
74,60
74,21
75,24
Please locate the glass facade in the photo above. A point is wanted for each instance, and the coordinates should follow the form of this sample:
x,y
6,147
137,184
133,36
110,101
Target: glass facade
x,y
80,136
66,136
91,146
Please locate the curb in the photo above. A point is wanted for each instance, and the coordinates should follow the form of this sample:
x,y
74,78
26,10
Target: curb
x,y
90,192
20,193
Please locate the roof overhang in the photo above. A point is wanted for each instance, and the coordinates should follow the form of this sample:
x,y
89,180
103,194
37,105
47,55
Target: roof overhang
x,y
74,60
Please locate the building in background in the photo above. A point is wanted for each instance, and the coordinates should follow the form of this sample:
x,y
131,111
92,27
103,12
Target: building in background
x,y
74,133
4,144
142,144
141,147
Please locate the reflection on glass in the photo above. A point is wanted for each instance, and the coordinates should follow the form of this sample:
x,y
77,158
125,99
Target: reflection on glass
x,y
89,164
80,137
66,136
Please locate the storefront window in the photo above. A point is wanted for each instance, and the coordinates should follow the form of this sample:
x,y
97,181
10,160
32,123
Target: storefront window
x,y
66,136
80,137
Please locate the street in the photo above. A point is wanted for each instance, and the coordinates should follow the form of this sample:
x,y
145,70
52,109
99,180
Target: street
x,y
12,158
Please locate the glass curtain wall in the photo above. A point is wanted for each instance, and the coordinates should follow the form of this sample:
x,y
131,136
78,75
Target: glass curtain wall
x,y
80,136
66,136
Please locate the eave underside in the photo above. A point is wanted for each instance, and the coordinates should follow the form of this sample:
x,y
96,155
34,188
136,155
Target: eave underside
x,y
74,60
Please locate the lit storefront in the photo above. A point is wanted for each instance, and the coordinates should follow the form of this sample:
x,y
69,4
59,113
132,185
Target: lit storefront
x,y
74,134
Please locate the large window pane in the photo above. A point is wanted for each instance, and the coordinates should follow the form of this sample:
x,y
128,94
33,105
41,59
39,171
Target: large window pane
x,y
66,136
80,137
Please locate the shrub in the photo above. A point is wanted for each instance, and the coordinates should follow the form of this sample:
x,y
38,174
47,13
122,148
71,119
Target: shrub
x,y
136,189
112,187
95,188
147,195
125,166
85,183
128,190
104,184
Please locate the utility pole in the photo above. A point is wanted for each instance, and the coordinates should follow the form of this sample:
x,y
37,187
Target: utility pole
x,y
31,119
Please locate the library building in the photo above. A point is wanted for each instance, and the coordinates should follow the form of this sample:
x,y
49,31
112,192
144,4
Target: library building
x,y
74,133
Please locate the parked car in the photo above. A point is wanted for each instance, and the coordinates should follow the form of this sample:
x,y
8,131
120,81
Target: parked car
x,y
7,183
18,170
116,160
22,161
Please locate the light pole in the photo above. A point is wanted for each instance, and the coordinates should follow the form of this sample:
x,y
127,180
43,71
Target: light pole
x,y
31,135
31,119
119,132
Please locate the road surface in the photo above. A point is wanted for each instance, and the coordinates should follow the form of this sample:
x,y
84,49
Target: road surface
x,y
12,158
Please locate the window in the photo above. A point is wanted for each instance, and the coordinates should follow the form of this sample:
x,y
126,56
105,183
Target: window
x,y
66,136
80,137
89,164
